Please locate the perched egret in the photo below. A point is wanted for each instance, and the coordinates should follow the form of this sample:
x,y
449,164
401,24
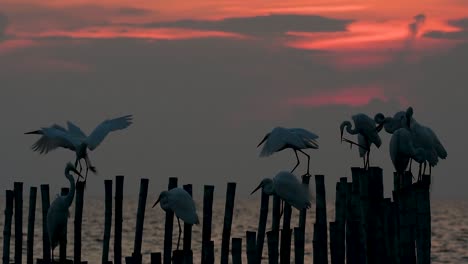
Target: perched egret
x,y
422,137
402,150
368,134
57,215
181,203
294,138
74,139
288,188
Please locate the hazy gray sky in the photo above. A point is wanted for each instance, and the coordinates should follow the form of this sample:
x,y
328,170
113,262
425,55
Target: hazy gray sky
x,y
204,92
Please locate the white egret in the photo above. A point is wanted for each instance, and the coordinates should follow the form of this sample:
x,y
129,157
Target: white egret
x,y
294,138
76,140
368,134
422,137
181,203
288,188
402,149
57,215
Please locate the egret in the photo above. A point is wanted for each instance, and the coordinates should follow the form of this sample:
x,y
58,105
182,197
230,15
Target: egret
x,y
181,203
402,149
76,140
368,134
57,215
422,136
288,188
296,139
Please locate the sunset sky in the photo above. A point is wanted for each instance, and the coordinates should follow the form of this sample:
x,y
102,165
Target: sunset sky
x,y
206,80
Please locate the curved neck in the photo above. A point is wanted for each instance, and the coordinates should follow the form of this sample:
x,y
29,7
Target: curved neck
x,y
71,193
349,129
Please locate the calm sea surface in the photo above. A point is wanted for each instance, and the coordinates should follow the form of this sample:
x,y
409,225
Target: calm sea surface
x,y
449,229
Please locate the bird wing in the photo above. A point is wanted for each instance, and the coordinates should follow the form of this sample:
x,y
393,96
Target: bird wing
x,y
279,138
101,131
367,127
307,136
54,137
183,206
75,131
439,148
288,187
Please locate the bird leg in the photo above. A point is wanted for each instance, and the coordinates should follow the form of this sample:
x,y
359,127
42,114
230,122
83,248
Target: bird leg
x,y
282,208
368,154
420,170
354,143
308,161
180,232
297,164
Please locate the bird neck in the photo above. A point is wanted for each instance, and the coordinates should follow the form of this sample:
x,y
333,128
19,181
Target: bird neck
x,y
349,128
71,194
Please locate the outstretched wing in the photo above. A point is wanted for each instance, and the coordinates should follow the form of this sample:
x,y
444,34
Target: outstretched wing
x,y
280,138
307,136
439,148
101,131
75,131
54,137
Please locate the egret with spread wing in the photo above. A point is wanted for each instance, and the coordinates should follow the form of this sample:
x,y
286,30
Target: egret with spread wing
x,y
57,215
181,203
296,139
76,140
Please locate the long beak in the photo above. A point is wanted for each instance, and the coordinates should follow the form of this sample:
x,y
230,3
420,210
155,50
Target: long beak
x,y
77,173
341,135
156,202
258,187
263,140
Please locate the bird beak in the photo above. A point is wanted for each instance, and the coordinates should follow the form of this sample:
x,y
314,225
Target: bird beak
x,y
77,173
258,187
379,127
156,202
263,140
341,135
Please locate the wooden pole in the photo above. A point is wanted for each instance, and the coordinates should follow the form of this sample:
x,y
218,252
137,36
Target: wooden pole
x,y
18,189
228,212
285,248
45,237
407,254
31,220
80,186
340,220
302,224
169,226
275,224
424,220
388,232
140,220
156,258
209,254
364,202
272,247
360,251
119,187
207,217
334,254
265,200
375,235
107,220
236,250
251,248
7,227
298,248
320,243
187,243
63,243
178,257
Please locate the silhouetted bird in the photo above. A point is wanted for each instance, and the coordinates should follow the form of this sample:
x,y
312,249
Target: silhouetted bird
x,y
181,203
74,139
57,215
294,138
368,134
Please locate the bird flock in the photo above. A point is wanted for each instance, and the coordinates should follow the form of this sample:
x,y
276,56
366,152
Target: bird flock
x,y
409,141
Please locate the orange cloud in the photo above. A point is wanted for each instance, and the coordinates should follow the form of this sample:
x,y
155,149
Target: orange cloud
x,y
9,46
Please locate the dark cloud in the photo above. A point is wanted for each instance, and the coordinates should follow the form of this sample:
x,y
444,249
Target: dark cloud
x,y
415,26
262,25
133,11
462,24
3,25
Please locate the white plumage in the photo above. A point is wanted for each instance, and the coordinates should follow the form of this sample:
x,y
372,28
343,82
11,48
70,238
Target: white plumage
x,y
75,139
294,138
181,203
368,134
57,215
402,150
288,188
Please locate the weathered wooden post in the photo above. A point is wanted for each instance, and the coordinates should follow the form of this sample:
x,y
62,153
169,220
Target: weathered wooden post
x,y
272,247
355,247
45,237
119,184
320,243
178,257
169,226
63,243
156,258
333,243
31,220
107,220
285,248
251,247
207,217
364,202
228,211
18,189
423,242
299,257
407,254
209,254
275,225
136,256
388,232
374,232
340,221
264,203
236,250
7,227
80,186
187,243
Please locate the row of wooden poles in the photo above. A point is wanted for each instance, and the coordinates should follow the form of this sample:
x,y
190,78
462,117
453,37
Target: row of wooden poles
x,y
367,227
